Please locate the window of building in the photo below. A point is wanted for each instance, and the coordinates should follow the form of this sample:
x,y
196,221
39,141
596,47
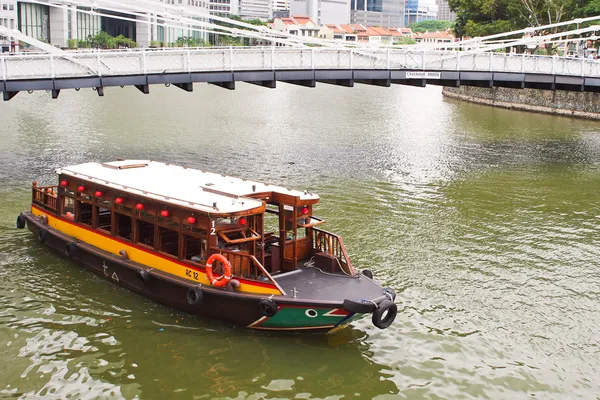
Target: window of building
x,y
5,7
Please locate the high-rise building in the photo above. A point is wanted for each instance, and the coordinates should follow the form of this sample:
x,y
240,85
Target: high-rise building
x,y
383,13
322,11
420,10
8,19
59,22
444,11
256,9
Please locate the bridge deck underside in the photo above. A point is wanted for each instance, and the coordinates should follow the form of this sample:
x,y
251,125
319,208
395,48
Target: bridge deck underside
x,y
308,78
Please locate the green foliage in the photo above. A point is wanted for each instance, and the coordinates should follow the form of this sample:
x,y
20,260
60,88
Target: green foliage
x,y
405,40
429,26
73,43
156,43
486,17
105,41
189,41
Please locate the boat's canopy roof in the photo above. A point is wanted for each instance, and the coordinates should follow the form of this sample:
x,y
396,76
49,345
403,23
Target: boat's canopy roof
x,y
181,186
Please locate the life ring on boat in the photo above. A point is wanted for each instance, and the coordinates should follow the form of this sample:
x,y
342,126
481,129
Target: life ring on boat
x,y
42,235
195,295
223,279
367,273
21,221
322,241
267,307
70,249
385,314
143,276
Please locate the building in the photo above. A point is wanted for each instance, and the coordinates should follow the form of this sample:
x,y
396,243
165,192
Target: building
x,y
384,13
420,10
299,25
63,24
322,11
440,38
444,11
8,19
281,8
256,9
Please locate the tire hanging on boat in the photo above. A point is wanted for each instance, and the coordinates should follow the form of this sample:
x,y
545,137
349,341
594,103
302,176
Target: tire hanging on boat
x,y
195,295
70,249
143,276
42,235
385,314
21,221
267,307
223,279
367,273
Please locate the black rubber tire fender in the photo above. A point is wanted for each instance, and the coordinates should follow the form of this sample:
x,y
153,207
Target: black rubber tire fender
x,y
267,307
357,307
143,276
70,249
367,273
42,235
385,314
21,221
195,295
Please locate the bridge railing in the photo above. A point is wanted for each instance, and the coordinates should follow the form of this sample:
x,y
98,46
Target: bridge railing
x,y
154,61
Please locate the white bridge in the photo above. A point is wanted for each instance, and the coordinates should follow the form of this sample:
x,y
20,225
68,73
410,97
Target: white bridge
x,y
298,65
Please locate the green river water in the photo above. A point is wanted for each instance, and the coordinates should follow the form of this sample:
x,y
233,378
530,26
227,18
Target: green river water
x,y
485,221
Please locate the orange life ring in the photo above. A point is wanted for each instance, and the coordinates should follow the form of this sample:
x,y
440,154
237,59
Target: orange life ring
x,y
325,242
223,279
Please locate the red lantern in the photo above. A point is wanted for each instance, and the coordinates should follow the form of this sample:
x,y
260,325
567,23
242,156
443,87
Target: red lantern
x,y
98,193
304,210
119,200
191,220
139,206
243,221
164,213
80,188
64,183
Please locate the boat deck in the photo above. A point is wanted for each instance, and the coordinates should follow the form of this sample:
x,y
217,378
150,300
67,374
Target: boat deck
x,y
312,283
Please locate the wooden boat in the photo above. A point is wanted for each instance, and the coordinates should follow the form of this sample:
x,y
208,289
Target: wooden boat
x,y
231,249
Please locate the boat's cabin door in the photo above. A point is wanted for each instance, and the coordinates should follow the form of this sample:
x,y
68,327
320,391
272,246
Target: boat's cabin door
x,y
286,240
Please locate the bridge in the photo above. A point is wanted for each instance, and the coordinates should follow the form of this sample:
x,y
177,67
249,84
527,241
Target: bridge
x,y
304,66
291,59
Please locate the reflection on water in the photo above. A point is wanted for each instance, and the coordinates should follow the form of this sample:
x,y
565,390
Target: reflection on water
x,y
484,221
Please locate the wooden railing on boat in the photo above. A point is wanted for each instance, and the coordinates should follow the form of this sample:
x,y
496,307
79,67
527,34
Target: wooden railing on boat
x,y
247,266
332,244
46,197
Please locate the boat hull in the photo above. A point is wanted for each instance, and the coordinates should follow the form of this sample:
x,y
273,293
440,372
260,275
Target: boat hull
x,y
229,306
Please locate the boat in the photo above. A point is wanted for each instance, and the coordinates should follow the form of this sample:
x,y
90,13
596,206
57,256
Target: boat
x,y
235,250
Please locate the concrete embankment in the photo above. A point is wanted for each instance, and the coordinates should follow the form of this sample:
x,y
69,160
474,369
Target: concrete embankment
x,y
558,102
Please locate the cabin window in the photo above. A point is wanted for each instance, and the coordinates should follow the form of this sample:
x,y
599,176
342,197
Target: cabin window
x,y
145,233
123,226
68,207
194,248
85,213
104,219
168,241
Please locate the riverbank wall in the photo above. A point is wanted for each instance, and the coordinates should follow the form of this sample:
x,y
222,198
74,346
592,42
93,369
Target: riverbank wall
x,y
557,102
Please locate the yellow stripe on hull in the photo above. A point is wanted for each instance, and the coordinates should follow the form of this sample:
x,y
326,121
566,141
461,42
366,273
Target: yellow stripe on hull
x,y
139,255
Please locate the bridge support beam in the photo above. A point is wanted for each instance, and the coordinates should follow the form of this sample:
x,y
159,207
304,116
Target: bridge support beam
x,y
143,88
410,82
224,85
188,87
375,82
9,95
309,83
267,84
100,91
55,93
338,82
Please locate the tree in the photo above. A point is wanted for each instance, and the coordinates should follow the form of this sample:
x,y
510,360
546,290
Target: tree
x,y
434,25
